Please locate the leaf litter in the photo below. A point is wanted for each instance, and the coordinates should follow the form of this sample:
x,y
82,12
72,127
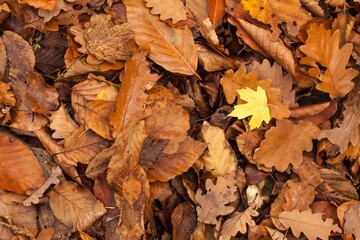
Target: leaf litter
x,y
210,119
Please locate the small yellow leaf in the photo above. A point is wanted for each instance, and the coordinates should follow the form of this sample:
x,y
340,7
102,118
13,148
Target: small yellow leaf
x,y
256,106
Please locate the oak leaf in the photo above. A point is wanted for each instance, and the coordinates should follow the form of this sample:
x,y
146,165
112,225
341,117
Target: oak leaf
x,y
257,106
286,137
298,195
306,222
74,205
238,80
171,48
177,12
238,221
108,41
215,201
220,158
61,122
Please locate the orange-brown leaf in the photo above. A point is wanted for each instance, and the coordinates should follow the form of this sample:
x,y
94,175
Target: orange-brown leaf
x,y
216,11
288,138
176,12
20,171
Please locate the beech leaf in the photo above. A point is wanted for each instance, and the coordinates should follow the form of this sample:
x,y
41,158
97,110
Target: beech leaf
x,y
306,221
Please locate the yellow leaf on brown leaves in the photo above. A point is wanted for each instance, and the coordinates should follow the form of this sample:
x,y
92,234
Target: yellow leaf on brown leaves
x,y
20,171
171,48
288,138
74,205
306,222
220,158
176,12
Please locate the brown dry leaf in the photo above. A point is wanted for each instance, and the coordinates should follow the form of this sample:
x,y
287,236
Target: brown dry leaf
x,y
161,166
278,80
286,137
42,97
84,92
276,49
199,8
83,145
298,196
220,158
61,123
185,214
235,81
237,222
131,98
20,219
275,12
216,11
2,59
336,187
168,121
276,235
348,214
176,12
42,4
171,48
247,142
20,171
75,206
347,132
215,201
108,41
100,162
53,179
213,61
123,164
96,116
6,95
306,222
309,172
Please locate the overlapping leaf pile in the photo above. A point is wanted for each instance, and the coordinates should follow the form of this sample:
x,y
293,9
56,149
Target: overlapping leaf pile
x,y
196,119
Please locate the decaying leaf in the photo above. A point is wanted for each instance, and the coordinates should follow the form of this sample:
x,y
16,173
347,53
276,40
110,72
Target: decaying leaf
x,y
220,159
305,222
215,201
256,106
74,205
61,123
286,137
173,49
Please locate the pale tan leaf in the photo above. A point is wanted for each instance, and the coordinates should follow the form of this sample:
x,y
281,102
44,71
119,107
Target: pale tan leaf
x,y
176,12
61,122
276,235
199,8
132,97
238,221
83,145
276,49
82,93
20,171
214,202
79,67
53,179
75,206
96,117
306,222
220,158
286,137
108,41
171,48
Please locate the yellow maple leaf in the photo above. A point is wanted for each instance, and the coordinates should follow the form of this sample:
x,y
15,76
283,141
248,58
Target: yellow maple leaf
x,y
256,105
